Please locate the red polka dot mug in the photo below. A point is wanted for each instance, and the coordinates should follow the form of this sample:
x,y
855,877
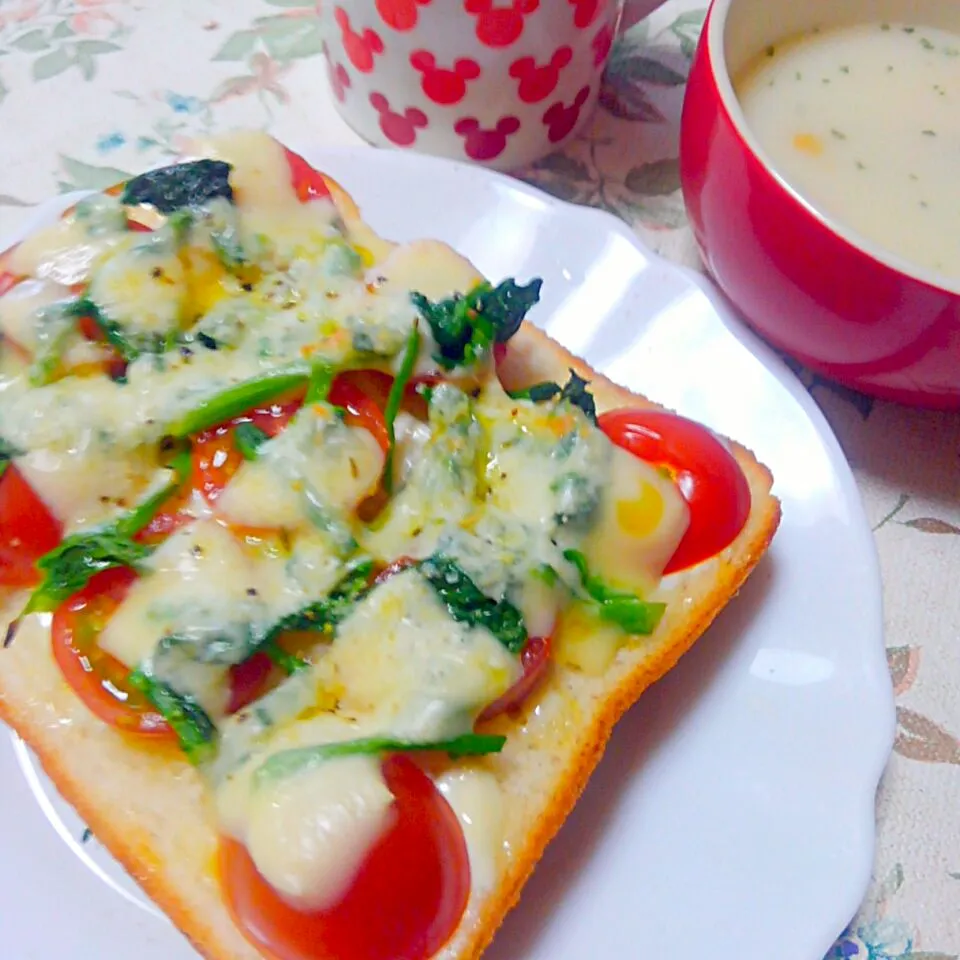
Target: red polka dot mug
x,y
498,82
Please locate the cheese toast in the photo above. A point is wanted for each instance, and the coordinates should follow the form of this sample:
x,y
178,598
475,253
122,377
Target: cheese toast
x,y
338,523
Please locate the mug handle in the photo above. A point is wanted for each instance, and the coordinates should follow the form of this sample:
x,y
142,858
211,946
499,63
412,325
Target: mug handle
x,y
636,10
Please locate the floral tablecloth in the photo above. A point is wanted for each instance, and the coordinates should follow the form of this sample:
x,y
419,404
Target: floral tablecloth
x,y
92,90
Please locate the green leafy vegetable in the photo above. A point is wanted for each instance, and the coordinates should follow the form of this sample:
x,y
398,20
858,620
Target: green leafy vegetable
x,y
71,565
187,719
239,398
574,391
634,615
321,380
80,557
54,325
289,663
181,185
465,327
129,346
248,439
410,353
467,603
300,758
325,614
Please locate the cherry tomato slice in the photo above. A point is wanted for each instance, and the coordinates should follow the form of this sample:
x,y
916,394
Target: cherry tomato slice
x,y
308,183
406,901
362,410
535,659
97,678
247,680
100,680
28,530
708,475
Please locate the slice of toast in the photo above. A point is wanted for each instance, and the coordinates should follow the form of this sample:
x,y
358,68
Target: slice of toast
x,y
149,807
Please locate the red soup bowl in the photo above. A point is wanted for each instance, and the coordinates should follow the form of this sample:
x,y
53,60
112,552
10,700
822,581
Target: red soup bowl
x,y
840,304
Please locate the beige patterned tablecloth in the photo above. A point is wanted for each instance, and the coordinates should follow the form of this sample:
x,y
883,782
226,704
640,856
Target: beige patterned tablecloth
x,y
92,90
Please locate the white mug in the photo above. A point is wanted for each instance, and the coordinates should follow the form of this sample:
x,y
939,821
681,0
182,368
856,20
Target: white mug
x,y
496,82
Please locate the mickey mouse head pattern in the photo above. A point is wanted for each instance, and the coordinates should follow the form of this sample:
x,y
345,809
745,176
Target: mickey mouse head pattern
x,y
561,119
500,26
585,11
398,128
483,144
537,83
374,61
440,84
360,47
400,14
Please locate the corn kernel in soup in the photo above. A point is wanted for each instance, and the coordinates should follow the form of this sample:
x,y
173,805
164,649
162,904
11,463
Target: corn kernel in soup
x,y
864,122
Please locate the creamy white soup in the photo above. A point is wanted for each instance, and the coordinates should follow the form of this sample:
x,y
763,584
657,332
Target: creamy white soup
x,y
864,122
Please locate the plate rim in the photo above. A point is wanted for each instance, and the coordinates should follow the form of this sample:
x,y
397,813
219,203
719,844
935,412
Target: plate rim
x,y
872,758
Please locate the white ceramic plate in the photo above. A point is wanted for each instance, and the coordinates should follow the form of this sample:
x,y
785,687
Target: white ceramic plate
x,y
733,815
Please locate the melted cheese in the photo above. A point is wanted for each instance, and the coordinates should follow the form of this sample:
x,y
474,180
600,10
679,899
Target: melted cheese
x,y
428,266
309,833
200,584
65,252
400,656
84,488
477,800
315,453
641,521
19,309
142,285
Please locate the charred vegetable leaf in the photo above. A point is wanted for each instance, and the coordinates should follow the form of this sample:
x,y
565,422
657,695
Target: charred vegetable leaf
x,y
249,438
621,607
324,615
466,326
187,719
574,391
293,761
180,186
467,603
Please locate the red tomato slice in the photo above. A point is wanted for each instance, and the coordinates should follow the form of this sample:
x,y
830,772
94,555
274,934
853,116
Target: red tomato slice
x,y
708,475
308,183
362,409
100,680
28,530
535,658
216,459
247,680
406,901
97,678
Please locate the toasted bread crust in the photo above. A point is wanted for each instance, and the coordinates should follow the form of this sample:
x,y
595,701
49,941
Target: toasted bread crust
x,y
147,806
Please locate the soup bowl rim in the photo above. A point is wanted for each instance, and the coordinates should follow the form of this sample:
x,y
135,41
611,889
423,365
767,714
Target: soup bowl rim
x,y
716,31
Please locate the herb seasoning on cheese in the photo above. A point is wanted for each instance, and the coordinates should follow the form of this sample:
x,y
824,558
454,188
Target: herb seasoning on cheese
x,y
864,122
